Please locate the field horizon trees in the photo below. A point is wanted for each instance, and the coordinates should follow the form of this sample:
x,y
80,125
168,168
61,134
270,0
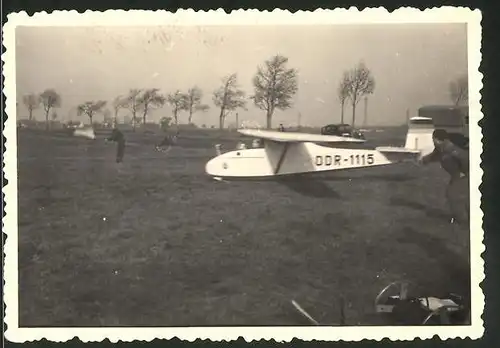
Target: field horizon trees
x,y
459,90
90,108
343,94
32,102
50,99
229,97
274,86
194,102
150,99
356,83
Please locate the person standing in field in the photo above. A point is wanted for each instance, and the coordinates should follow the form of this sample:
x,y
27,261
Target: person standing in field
x,y
119,138
455,161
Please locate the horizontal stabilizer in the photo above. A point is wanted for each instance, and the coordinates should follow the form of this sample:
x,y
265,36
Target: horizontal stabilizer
x,y
394,149
399,154
84,133
296,137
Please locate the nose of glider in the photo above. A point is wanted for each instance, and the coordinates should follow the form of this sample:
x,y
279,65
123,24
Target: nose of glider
x,y
213,167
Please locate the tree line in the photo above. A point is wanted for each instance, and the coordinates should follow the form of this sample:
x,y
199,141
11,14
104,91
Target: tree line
x,y
275,85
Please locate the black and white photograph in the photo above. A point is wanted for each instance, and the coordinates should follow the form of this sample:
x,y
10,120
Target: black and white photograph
x,y
171,175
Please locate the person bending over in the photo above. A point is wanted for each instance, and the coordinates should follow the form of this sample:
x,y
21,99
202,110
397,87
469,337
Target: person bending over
x,y
455,161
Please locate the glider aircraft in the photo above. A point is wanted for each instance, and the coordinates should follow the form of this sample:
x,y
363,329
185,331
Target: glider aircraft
x,y
289,153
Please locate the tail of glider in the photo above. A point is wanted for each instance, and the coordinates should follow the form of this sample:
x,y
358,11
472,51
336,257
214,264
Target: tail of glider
x,y
418,141
84,133
419,136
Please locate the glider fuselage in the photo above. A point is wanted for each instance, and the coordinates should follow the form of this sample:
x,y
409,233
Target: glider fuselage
x,y
292,158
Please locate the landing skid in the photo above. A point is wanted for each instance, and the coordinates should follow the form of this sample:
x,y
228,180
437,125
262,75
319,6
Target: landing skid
x,y
219,179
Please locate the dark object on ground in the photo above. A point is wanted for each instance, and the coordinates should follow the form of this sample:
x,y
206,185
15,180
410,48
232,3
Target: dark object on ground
x,y
450,309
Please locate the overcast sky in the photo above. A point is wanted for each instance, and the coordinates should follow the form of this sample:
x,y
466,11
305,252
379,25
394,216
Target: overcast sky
x,y
412,65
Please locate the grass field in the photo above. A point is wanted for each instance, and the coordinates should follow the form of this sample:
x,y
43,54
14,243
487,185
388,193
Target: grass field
x,y
154,242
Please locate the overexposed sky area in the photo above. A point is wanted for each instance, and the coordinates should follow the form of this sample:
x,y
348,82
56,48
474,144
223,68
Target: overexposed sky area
x,y
412,64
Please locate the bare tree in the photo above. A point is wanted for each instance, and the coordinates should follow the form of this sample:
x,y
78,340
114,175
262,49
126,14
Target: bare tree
x,y
133,102
119,103
50,99
194,96
275,85
361,83
228,97
31,101
179,102
151,98
459,90
343,94
90,108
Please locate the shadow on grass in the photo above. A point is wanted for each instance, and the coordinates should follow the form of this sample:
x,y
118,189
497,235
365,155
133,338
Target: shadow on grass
x,y
456,268
309,187
429,210
369,177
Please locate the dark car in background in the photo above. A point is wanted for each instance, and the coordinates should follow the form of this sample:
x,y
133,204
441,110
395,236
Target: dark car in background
x,y
342,130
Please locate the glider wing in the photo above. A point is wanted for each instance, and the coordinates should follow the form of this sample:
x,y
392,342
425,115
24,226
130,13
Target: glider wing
x,y
295,137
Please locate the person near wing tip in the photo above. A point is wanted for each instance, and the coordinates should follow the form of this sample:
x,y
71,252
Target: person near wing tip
x,y
119,138
455,161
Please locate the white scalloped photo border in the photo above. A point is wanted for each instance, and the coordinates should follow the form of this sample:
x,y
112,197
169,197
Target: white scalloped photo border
x,y
352,15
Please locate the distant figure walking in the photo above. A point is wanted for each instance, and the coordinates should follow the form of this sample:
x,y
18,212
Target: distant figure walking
x,y
281,128
218,150
167,142
455,161
117,135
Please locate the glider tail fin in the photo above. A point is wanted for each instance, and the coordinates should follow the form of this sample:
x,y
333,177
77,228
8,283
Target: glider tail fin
x,y
419,138
418,143
84,133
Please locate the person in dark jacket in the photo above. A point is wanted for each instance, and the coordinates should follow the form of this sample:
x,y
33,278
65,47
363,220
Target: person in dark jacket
x,y
455,161
117,135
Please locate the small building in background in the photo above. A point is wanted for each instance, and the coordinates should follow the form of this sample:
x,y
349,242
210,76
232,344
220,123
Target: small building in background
x,y
454,119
